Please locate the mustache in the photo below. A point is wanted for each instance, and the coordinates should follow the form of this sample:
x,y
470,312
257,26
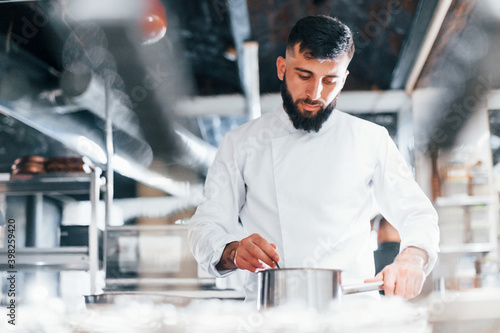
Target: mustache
x,y
310,101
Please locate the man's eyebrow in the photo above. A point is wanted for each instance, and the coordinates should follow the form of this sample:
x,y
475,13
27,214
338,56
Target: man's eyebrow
x,y
309,72
303,70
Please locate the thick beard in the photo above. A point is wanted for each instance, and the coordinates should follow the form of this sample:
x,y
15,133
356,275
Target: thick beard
x,y
301,121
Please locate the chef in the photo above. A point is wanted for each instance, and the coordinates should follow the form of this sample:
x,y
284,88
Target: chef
x,y
296,186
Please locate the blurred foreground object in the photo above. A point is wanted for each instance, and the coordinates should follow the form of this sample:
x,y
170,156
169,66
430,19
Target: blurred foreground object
x,y
153,22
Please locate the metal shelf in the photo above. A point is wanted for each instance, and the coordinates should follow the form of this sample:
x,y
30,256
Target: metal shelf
x,y
468,248
50,184
465,200
193,283
61,258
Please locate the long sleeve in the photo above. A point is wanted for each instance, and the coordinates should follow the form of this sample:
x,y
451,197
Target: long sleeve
x,y
215,222
403,203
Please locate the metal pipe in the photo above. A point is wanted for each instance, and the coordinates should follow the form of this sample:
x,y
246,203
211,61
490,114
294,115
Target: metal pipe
x,y
93,235
196,153
108,198
88,91
34,219
154,207
430,37
251,79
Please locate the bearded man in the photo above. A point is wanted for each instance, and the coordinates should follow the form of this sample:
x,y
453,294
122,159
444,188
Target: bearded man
x,y
295,186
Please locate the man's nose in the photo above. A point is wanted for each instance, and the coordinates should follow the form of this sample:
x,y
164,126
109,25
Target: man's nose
x,y
314,90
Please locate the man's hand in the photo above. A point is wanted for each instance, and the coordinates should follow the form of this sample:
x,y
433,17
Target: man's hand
x,y
405,277
253,253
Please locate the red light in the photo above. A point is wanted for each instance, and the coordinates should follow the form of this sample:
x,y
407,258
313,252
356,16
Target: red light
x,y
153,22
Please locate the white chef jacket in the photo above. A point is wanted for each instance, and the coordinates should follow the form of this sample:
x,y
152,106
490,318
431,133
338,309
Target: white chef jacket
x,y
310,194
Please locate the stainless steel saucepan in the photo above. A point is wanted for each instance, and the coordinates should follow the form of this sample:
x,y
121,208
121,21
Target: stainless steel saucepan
x,y
313,286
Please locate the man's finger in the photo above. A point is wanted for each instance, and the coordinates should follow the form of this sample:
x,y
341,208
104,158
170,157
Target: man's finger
x,y
253,254
257,252
253,257
413,290
250,266
275,261
389,283
418,284
410,291
378,277
267,248
246,265
400,288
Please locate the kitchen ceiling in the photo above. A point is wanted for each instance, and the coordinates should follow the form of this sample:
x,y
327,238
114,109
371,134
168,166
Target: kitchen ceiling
x,y
210,37
211,31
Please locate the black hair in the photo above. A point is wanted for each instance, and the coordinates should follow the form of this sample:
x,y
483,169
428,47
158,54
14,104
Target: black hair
x,y
321,37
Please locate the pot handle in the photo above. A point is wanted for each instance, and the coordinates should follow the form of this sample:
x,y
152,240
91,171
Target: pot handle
x,y
362,287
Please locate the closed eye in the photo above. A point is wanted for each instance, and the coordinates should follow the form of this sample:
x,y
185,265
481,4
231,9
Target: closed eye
x,y
330,81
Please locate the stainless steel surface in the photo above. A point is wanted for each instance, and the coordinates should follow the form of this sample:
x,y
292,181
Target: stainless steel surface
x,y
78,132
427,44
110,183
68,258
196,153
250,79
93,235
158,283
45,255
68,183
177,297
316,288
136,297
153,207
362,287
90,91
35,223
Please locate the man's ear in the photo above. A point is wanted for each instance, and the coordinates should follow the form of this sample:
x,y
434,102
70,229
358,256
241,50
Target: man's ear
x,y
345,77
281,67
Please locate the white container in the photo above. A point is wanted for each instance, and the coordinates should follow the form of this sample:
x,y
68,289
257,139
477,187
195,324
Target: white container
x,y
479,180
